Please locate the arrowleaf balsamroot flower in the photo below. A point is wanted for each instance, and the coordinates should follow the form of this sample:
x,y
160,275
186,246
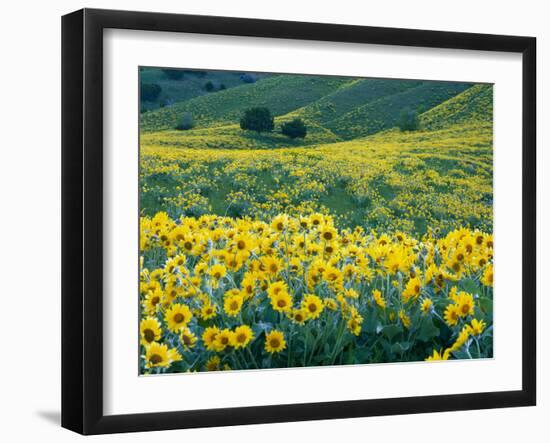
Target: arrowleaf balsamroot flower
x,y
275,342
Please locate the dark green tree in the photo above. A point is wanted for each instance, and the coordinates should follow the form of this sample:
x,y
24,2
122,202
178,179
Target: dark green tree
x,y
150,91
294,129
209,86
257,119
174,74
408,120
186,122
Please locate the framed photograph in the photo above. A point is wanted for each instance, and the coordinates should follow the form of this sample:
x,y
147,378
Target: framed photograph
x,y
269,221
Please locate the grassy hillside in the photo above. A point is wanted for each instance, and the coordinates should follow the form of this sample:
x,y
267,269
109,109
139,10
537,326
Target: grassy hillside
x,y
355,94
191,85
392,181
368,241
473,105
233,137
281,94
384,112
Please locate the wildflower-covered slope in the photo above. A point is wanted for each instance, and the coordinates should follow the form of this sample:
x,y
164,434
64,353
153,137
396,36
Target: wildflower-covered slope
x,y
358,244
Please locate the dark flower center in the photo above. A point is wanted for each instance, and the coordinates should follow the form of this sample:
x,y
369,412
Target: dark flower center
x,y
155,359
148,335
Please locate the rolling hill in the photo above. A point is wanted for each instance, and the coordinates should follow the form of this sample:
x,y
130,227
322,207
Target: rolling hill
x,y
281,94
335,109
187,84
384,112
474,105
355,162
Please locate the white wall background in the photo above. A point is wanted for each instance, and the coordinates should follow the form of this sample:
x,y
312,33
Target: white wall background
x,y
30,222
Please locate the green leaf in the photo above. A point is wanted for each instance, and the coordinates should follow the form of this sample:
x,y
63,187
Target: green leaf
x,y
427,330
486,305
390,331
400,347
371,322
469,285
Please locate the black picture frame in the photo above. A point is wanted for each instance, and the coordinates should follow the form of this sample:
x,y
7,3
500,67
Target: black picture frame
x,y
82,218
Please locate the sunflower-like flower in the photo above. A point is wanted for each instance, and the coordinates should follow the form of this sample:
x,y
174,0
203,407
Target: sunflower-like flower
x,y
462,338
213,363
299,316
209,337
208,311
488,276
477,326
330,303
426,305
354,324
243,335
452,314
327,233
158,355
378,298
313,305
177,317
351,293
405,319
188,339
217,271
232,304
280,223
275,342
276,287
412,289
153,301
465,304
150,330
441,355
281,301
224,339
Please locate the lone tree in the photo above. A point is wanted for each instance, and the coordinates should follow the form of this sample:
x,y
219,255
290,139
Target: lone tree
x,y
186,122
209,86
408,120
257,119
150,91
174,74
294,128
248,78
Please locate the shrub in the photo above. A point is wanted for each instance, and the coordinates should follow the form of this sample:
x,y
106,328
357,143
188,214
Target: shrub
x,y
209,86
294,128
222,87
248,78
199,74
408,120
186,122
150,91
173,74
257,119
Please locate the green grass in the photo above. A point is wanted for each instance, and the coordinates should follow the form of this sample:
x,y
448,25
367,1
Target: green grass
x,y
384,112
188,87
355,94
473,105
233,137
354,161
281,94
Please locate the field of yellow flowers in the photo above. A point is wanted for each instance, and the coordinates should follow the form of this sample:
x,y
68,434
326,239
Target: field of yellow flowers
x,y
349,253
